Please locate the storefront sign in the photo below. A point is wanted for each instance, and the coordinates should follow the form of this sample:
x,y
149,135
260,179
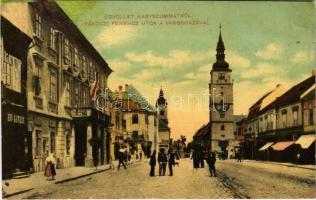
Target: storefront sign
x,y
17,119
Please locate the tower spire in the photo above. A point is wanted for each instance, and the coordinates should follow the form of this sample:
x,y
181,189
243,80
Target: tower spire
x,y
220,49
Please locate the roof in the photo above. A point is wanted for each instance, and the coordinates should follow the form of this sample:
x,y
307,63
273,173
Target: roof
x,y
132,99
163,126
204,130
309,94
52,10
293,95
254,109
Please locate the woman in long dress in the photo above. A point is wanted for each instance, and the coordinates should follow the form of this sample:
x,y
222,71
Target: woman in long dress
x,y
50,167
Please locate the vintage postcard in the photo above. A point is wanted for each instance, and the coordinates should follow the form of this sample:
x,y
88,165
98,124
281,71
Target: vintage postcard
x,y
157,99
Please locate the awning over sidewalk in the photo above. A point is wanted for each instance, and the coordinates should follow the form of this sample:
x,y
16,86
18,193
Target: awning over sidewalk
x,y
306,141
266,146
280,146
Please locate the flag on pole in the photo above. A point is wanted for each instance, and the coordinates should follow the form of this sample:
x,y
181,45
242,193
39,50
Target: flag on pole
x,y
94,86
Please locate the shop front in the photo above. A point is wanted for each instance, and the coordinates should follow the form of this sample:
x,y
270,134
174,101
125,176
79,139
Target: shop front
x,y
16,142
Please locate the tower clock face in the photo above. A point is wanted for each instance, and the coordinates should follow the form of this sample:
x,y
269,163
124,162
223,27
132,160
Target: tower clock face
x,y
222,107
221,76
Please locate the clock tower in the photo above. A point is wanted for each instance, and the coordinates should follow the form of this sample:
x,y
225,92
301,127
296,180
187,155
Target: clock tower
x,y
221,103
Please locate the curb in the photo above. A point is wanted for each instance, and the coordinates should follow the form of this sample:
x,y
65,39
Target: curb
x,y
81,176
287,165
16,193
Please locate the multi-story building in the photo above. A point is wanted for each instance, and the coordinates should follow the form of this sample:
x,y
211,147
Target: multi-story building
x,y
16,141
280,117
64,75
221,103
307,140
260,119
134,122
163,128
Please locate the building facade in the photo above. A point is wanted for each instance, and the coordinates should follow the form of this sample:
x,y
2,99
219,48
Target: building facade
x,y
134,122
16,141
64,74
285,120
221,103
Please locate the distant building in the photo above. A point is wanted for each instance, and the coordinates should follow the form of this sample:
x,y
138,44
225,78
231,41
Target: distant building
x,y
134,122
163,128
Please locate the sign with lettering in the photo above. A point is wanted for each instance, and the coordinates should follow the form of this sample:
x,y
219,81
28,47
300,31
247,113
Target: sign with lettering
x,y
16,119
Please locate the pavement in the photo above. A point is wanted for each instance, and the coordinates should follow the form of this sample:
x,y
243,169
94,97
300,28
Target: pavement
x,y
248,179
36,180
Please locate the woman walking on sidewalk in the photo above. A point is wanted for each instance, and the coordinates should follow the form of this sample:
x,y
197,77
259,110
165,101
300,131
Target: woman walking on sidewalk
x,y
50,167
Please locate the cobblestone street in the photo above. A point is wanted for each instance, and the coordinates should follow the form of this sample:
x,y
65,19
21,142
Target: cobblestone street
x,y
235,180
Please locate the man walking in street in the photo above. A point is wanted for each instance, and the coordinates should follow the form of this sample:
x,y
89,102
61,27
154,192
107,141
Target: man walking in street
x,y
121,158
162,160
171,162
152,163
211,163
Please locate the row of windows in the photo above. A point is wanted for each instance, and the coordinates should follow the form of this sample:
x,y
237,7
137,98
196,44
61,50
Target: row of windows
x,y
43,143
11,71
70,52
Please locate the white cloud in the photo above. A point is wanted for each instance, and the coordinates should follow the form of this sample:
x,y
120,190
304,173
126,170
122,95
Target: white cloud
x,y
246,93
175,58
236,60
205,68
114,36
272,51
303,57
118,65
262,70
146,74
190,75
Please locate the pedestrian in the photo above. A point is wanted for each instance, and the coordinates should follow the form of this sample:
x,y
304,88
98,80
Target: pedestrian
x,y
137,155
195,159
140,155
211,163
171,162
50,167
121,158
152,163
201,158
162,160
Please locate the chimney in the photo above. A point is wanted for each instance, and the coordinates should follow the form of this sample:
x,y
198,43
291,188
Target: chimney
x,y
120,92
120,88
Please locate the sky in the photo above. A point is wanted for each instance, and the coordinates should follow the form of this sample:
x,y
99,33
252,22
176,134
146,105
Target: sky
x,y
267,43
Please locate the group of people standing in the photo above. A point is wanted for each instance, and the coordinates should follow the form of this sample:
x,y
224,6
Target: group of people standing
x,y
199,156
163,159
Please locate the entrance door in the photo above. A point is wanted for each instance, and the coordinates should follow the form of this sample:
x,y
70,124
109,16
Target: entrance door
x,y
28,151
80,144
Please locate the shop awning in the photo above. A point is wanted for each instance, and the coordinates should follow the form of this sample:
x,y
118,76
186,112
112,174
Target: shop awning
x,y
306,141
280,146
266,146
